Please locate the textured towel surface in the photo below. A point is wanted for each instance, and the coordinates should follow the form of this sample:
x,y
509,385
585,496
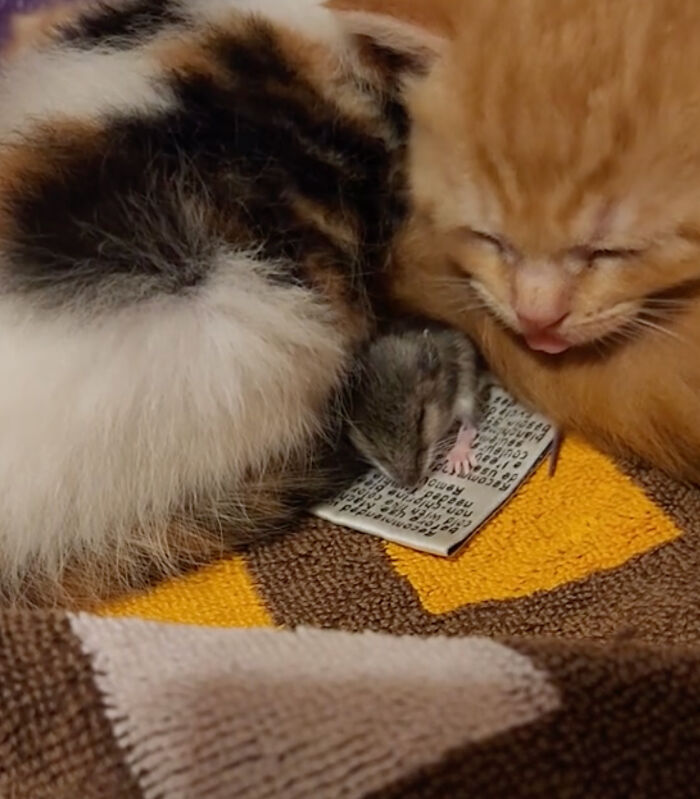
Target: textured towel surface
x,y
600,550
300,714
559,655
101,707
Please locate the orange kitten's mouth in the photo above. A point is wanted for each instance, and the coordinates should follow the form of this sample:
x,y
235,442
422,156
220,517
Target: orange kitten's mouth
x,y
549,342
573,331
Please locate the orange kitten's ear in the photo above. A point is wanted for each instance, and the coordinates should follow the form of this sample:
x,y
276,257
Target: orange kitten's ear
x,y
402,46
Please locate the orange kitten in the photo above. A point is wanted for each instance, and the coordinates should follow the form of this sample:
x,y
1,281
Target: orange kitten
x,y
555,162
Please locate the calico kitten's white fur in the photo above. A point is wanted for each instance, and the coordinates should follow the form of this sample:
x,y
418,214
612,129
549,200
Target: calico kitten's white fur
x,y
133,396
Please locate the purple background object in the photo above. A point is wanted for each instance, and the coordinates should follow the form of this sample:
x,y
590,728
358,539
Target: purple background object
x,y
10,7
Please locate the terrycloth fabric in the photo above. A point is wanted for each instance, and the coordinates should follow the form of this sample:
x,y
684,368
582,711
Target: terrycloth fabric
x,y
599,551
97,707
558,656
300,714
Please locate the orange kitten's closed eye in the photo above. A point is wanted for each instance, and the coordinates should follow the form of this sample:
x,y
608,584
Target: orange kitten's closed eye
x,y
551,300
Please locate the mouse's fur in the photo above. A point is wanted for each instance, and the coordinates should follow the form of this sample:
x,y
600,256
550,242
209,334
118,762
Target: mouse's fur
x,y
412,384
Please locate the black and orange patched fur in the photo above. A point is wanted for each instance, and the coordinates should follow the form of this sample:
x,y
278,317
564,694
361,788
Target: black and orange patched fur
x,y
197,201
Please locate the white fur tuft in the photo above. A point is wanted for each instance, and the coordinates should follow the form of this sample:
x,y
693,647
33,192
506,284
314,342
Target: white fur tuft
x,y
308,17
111,423
63,83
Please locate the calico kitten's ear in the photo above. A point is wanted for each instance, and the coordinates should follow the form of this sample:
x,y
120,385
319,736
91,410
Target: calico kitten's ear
x,y
398,46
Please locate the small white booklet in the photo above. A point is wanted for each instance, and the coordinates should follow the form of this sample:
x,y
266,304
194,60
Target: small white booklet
x,y
443,514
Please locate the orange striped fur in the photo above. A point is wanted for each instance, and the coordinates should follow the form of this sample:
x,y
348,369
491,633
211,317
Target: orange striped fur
x,y
555,171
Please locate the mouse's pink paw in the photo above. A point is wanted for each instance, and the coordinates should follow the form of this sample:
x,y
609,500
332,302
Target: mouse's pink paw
x,y
461,459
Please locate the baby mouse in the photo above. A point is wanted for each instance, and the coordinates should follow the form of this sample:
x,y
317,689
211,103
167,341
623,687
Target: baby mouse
x,y
412,384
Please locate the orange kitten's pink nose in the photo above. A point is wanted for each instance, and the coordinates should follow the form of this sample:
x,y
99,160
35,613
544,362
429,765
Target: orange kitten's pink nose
x,y
541,295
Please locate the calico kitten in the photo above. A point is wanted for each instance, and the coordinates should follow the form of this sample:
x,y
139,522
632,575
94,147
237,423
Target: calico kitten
x,y
196,203
555,173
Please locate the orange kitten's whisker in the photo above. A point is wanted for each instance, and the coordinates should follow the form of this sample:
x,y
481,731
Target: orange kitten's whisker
x,y
667,317
456,279
658,311
453,284
460,303
630,332
647,323
472,302
456,304
665,310
624,336
666,303
462,280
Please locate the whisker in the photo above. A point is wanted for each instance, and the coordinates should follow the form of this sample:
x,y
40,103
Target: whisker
x,y
650,313
666,303
452,284
642,322
461,293
461,297
626,336
660,319
455,303
659,309
628,333
614,339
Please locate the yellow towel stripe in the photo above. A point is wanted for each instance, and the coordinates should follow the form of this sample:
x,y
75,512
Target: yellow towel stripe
x,y
222,595
590,517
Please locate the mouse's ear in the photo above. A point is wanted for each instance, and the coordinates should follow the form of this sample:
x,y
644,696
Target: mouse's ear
x,y
429,358
399,46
